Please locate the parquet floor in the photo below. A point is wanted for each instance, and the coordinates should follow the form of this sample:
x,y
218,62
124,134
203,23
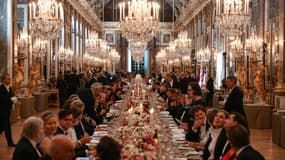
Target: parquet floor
x,y
260,139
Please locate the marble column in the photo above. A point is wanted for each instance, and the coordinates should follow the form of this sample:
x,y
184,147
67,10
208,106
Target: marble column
x,y
279,90
6,36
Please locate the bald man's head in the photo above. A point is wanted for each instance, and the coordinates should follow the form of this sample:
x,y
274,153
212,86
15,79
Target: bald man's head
x,y
61,148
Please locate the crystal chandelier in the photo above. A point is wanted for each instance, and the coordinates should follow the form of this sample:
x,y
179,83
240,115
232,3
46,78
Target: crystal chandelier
x,y
232,15
183,43
93,42
254,46
186,60
139,19
204,55
237,47
114,56
65,54
161,56
23,41
39,48
45,18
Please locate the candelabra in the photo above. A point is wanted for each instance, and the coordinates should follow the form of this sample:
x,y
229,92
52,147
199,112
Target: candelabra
x,y
254,47
23,41
237,48
39,48
139,19
45,18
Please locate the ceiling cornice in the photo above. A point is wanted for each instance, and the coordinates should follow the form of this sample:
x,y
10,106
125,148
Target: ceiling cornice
x,y
192,9
84,9
115,26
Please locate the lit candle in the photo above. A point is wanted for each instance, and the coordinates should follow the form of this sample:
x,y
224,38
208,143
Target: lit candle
x,y
133,93
141,110
151,115
130,111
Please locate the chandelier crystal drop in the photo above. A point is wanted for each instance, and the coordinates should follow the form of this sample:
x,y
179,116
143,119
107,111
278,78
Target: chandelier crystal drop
x,y
139,20
45,18
232,16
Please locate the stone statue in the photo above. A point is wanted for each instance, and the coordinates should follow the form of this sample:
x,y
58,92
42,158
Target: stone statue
x,y
18,69
258,83
243,81
34,76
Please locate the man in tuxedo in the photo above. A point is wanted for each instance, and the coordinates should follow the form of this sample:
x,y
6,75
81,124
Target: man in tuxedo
x,y
234,101
197,131
234,119
6,101
239,140
94,79
87,96
169,80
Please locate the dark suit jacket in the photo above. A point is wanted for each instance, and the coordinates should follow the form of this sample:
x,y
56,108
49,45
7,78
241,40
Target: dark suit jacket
x,y
91,81
249,153
195,136
5,98
221,141
88,99
234,102
25,150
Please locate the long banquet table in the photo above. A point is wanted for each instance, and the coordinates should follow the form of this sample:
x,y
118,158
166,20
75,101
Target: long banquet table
x,y
144,130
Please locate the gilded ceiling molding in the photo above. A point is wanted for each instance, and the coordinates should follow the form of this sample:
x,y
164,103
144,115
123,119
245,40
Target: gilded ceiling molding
x,y
115,26
84,9
192,9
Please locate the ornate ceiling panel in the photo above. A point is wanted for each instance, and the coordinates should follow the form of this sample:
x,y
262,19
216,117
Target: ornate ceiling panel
x,y
183,9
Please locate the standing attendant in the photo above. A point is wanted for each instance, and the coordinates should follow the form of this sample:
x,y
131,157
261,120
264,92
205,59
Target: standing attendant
x,y
6,100
234,101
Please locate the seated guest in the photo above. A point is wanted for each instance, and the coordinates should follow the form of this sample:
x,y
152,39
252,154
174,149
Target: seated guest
x,y
87,124
77,132
65,124
215,139
64,121
61,148
195,95
108,149
234,119
87,96
239,140
32,133
197,131
50,126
